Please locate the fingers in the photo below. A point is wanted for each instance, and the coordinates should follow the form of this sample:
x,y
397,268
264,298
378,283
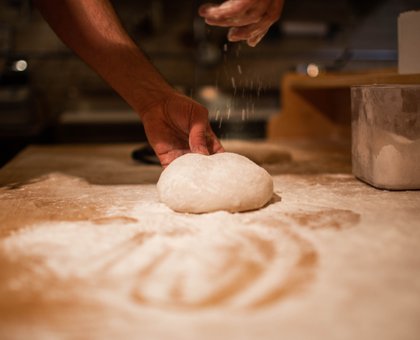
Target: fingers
x,y
166,158
198,132
251,33
228,9
202,139
237,16
179,127
249,19
211,146
213,143
253,41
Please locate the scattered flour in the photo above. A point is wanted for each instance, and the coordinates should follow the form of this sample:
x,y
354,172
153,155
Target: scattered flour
x,y
177,264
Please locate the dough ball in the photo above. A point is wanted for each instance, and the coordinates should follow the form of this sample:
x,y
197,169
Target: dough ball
x,y
195,183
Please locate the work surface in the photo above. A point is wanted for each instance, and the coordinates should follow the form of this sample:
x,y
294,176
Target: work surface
x,y
87,251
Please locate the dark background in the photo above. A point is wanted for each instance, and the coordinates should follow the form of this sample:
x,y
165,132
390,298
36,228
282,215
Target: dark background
x,y
58,99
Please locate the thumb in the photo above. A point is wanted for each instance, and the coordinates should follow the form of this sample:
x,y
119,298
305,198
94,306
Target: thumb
x,y
198,137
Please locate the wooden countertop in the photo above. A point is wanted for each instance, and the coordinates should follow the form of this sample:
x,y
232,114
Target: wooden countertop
x,y
87,251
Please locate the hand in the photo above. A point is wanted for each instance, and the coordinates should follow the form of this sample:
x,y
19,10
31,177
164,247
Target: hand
x,y
248,19
179,125
174,124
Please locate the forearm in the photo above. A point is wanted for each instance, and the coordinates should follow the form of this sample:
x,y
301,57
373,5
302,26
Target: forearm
x,y
92,29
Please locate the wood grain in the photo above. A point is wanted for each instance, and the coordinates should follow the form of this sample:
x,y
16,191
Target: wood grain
x,y
87,251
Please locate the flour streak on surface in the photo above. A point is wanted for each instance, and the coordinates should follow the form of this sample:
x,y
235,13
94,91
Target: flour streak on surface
x,y
173,265
87,252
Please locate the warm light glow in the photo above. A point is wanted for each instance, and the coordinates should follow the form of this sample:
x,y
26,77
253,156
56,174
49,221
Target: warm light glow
x,y
20,65
312,70
209,93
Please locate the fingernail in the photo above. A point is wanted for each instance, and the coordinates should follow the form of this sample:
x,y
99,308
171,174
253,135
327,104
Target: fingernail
x,y
231,34
203,9
252,42
200,149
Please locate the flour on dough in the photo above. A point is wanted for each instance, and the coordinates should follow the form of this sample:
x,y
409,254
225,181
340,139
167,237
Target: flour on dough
x,y
195,183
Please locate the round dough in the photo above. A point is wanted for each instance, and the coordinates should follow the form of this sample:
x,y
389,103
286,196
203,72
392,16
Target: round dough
x,y
195,183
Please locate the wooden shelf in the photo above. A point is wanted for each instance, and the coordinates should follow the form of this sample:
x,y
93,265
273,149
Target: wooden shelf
x,y
320,107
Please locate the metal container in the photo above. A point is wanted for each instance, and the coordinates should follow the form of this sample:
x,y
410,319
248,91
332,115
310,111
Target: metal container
x,y
386,135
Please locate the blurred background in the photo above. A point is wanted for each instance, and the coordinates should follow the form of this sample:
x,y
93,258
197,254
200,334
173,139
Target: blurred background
x,y
48,95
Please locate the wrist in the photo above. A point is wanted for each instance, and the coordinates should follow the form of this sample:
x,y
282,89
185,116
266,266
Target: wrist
x,y
139,82
147,100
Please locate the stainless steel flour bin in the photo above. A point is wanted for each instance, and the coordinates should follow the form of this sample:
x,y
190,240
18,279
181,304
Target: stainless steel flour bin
x,y
386,135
